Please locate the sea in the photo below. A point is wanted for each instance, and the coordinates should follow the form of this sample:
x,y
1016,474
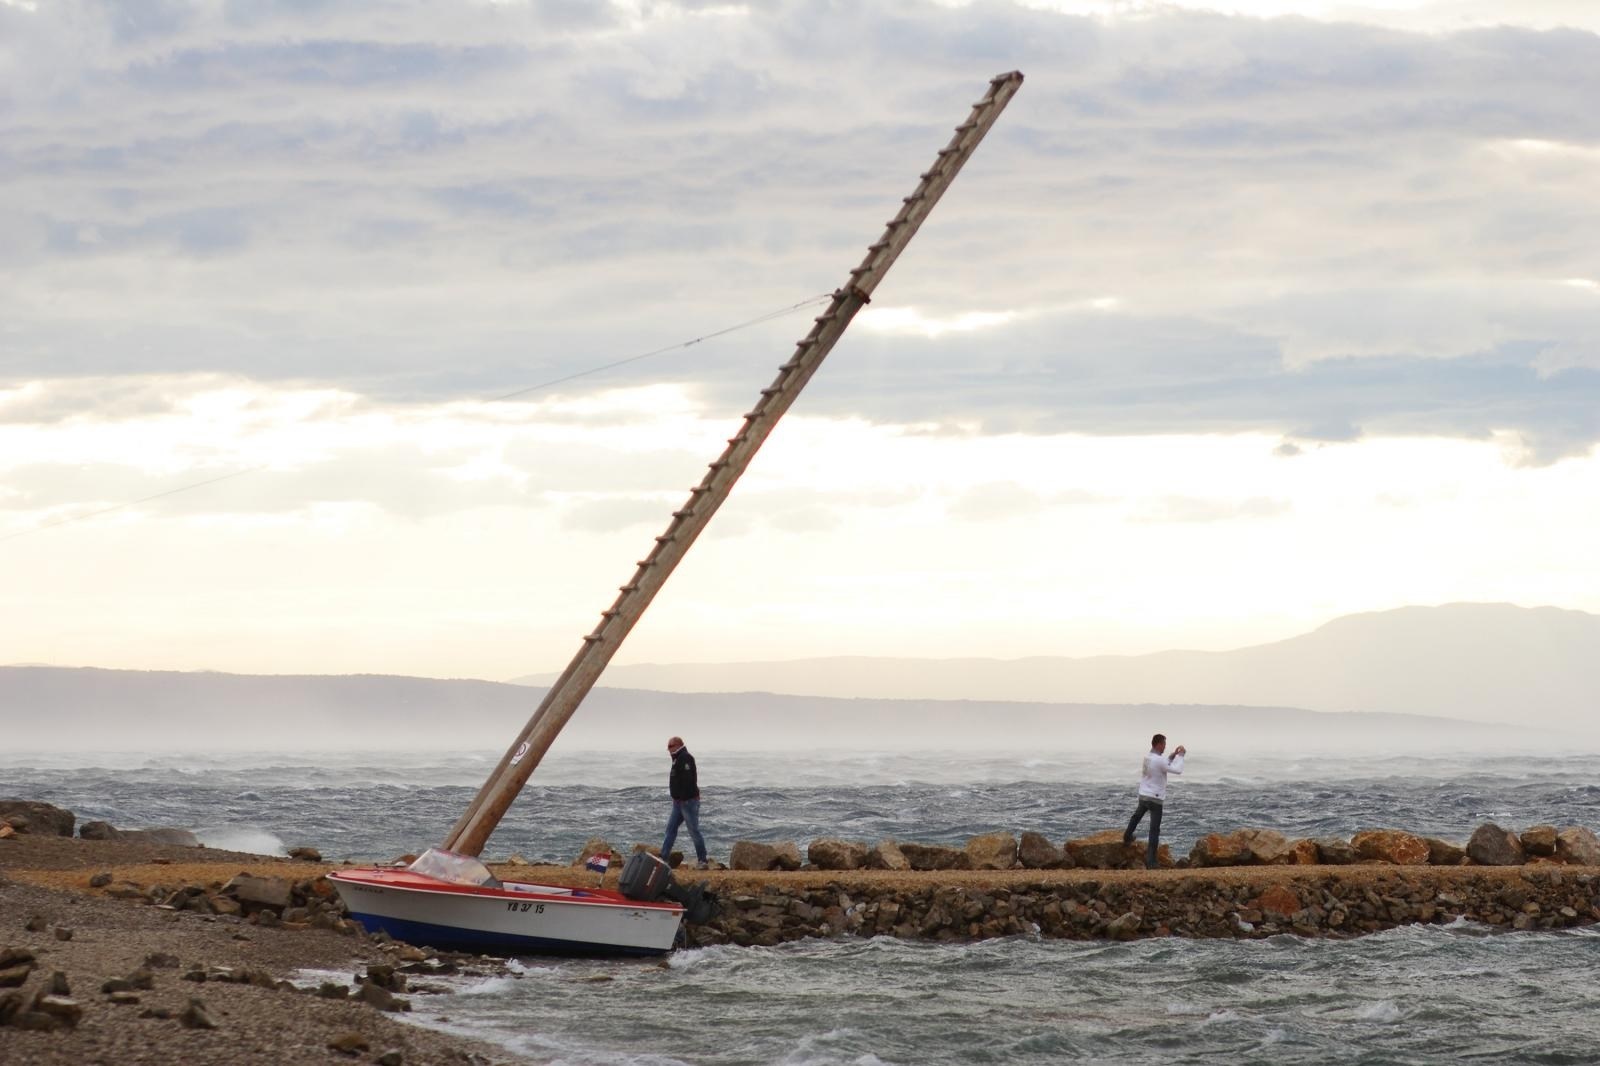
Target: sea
x,y
1456,993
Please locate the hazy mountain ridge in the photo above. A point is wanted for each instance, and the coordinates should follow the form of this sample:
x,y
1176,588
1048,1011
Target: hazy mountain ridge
x,y
57,708
1480,662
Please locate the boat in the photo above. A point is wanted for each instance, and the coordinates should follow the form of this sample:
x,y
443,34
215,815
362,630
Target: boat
x,y
454,903
447,898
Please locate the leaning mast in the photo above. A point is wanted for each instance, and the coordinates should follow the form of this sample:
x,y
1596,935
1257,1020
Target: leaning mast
x,y
562,700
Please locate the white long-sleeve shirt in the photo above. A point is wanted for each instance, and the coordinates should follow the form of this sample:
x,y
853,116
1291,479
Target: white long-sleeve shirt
x,y
1156,768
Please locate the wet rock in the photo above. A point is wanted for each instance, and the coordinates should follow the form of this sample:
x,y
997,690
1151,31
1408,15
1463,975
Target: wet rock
x,y
1444,853
97,831
40,819
1391,846
380,998
1539,840
384,976
991,851
333,990
1123,927
933,857
1036,852
305,854
1492,846
748,855
886,855
830,854
1579,846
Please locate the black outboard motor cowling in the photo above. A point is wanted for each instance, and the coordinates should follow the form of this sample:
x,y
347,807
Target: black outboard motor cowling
x,y
647,879
644,877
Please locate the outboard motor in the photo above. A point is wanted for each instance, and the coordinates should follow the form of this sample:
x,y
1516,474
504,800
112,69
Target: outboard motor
x,y
647,879
644,877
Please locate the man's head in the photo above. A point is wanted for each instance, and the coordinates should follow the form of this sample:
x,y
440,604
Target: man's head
x,y
674,746
1158,743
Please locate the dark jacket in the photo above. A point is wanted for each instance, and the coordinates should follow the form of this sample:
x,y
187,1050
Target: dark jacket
x,y
685,780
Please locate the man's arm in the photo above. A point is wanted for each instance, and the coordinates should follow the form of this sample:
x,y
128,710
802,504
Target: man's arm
x,y
1175,763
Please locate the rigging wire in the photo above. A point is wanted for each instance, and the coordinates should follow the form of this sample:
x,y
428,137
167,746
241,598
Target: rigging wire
x,y
679,346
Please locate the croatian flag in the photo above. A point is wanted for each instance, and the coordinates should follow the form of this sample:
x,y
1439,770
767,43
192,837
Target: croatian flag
x,y
599,863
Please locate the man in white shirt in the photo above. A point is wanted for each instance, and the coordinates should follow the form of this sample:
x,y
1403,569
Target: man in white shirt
x,y
1153,792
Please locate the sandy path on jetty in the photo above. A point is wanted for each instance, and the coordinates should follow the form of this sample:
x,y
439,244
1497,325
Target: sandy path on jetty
x,y
60,863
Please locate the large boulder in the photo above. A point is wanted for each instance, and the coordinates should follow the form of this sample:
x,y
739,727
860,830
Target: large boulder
x,y
748,855
1106,851
992,851
886,855
1444,853
1539,840
1334,851
1271,848
40,819
592,847
255,893
831,854
934,857
1391,846
97,831
1578,846
1492,846
1224,849
1037,853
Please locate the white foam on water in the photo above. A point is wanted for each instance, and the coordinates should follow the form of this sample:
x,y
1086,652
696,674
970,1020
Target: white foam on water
x,y
1385,1010
1217,1017
241,838
490,986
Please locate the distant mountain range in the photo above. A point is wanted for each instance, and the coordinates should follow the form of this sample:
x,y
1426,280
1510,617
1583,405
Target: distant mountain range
x,y
55,708
1420,677
1476,661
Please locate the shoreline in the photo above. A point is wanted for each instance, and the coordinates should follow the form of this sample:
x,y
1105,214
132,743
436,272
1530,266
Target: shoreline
x,y
45,886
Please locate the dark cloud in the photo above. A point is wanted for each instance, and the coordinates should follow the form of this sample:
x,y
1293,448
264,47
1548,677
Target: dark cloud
x,y
1319,230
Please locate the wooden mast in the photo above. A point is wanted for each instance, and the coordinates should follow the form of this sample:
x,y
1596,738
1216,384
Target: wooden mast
x,y
489,806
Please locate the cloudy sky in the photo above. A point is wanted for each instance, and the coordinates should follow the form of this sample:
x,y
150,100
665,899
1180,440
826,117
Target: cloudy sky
x,y
1247,315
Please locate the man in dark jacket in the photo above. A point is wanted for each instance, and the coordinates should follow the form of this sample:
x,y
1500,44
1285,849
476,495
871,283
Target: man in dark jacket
x,y
684,784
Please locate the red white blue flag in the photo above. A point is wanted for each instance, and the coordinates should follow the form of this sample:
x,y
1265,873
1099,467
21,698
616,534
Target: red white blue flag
x,y
598,862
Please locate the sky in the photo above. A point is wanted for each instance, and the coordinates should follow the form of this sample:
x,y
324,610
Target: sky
x,y
1246,316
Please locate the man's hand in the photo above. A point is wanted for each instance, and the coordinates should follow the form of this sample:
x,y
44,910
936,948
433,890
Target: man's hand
x,y
1180,750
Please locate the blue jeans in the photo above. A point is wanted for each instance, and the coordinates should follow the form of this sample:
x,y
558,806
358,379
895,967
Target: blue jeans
x,y
1146,803
684,812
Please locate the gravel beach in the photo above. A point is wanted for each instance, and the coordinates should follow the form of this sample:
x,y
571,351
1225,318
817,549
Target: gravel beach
x,y
46,908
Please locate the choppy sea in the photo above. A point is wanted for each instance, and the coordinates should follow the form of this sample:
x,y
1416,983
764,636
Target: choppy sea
x,y
1421,995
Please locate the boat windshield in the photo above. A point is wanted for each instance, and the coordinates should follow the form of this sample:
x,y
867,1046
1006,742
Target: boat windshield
x,y
457,869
